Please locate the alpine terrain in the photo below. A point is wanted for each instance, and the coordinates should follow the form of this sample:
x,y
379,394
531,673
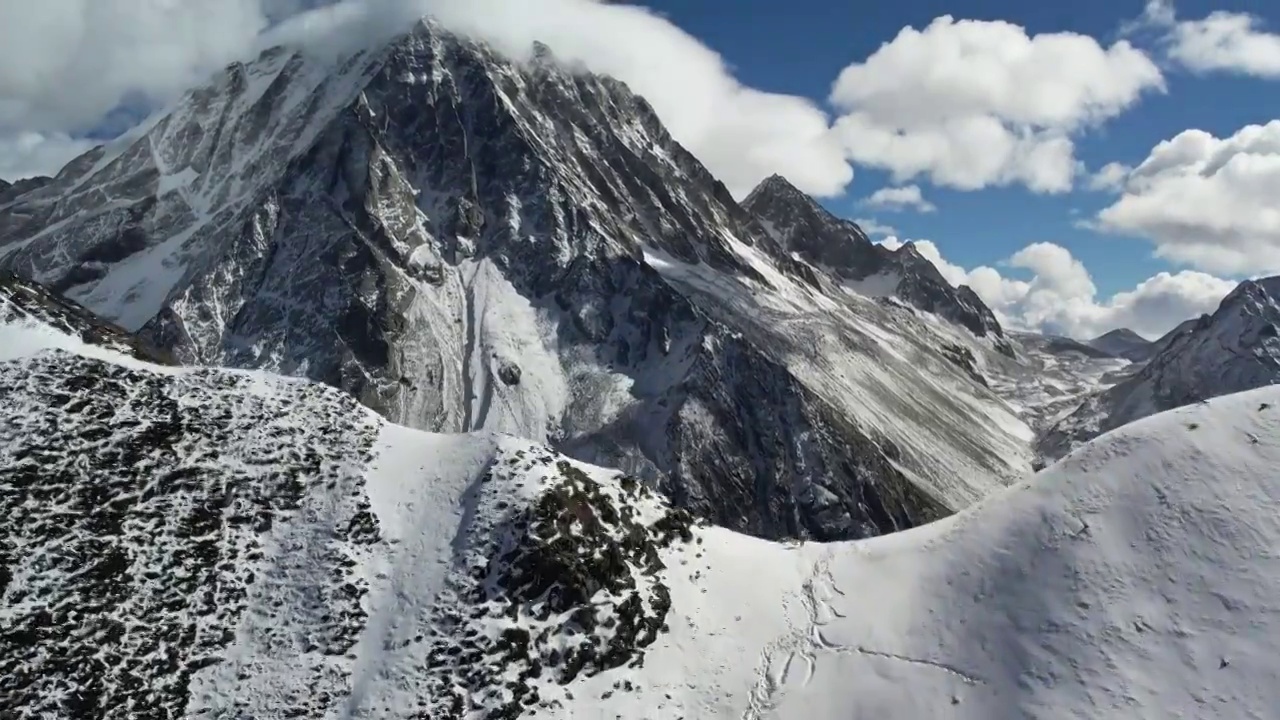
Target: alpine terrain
x,y
465,243
431,383
1236,348
188,542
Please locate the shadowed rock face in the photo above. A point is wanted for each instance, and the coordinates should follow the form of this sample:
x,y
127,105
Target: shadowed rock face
x,y
22,300
802,226
1126,344
461,242
1237,348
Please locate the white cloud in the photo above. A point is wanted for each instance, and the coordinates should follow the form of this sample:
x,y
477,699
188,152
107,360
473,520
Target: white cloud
x,y
1109,177
971,104
1061,297
871,226
1221,41
1207,202
64,64
28,154
900,198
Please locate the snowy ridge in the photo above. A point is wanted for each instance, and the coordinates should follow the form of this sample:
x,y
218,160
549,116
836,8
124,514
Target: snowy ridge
x,y
204,543
1136,577
35,304
1236,348
152,516
239,543
800,226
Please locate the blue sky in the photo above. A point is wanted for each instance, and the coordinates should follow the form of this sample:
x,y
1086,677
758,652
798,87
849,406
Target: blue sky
x,y
800,46
1083,166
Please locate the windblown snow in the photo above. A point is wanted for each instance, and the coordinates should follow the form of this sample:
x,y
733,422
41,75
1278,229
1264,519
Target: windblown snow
x,y
208,543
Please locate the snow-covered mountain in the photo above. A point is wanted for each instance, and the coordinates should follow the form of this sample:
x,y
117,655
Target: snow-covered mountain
x,y
465,243
1124,343
29,302
809,231
181,542
1236,348
209,543
1052,375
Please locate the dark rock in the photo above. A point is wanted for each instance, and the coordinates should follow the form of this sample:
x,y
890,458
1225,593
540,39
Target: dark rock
x,y
509,373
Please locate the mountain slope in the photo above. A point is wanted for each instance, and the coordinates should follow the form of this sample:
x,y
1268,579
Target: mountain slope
x,y
1237,348
21,300
182,542
1052,375
1167,339
464,243
1136,577
803,227
1124,343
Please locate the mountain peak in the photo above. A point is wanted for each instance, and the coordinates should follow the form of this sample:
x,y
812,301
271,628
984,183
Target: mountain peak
x,y
775,188
1235,349
1124,343
1120,334
1266,290
456,238
802,226
908,249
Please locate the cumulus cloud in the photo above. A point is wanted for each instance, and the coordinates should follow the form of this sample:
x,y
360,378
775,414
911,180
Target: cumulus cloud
x,y
1109,177
907,197
1061,297
871,226
1207,202
971,104
1221,41
64,65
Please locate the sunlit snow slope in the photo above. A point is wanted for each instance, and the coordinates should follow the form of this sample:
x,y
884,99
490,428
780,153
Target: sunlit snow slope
x,y
1138,577
206,543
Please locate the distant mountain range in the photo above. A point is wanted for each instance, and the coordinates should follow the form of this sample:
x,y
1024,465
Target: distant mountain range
x,y
1236,348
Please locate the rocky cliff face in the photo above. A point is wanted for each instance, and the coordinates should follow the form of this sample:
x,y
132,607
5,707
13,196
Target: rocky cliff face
x,y
803,227
28,302
465,243
1237,348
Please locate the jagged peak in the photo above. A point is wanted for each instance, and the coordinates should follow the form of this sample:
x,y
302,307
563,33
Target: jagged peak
x,y
1263,289
542,52
909,250
776,187
777,199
